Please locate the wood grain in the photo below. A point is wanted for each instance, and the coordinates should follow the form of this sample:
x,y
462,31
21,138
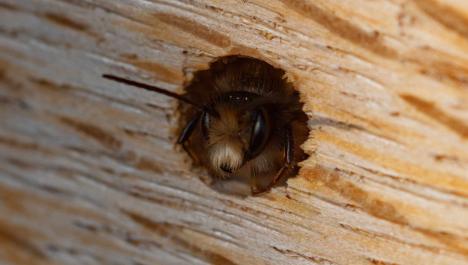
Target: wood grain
x,y
90,173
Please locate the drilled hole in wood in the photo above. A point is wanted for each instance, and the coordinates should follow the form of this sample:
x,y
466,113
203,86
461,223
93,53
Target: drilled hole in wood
x,y
249,133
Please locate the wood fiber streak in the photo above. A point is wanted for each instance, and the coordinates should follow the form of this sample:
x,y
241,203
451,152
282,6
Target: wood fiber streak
x,y
428,108
447,15
66,22
90,173
341,27
160,71
196,29
98,134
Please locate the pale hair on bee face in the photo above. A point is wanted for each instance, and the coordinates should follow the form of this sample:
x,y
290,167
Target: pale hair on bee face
x,y
227,145
226,158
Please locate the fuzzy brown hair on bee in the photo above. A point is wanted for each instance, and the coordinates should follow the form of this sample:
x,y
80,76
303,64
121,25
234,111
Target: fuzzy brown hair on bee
x,y
246,121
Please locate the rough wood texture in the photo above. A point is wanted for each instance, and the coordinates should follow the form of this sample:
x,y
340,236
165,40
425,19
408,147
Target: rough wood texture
x,y
90,174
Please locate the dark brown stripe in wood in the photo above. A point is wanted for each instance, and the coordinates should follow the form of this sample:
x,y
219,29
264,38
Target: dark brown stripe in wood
x,y
341,27
432,111
196,29
445,15
65,22
172,232
98,134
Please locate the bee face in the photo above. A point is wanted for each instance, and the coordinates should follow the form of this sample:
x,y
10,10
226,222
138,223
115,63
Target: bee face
x,y
230,136
242,122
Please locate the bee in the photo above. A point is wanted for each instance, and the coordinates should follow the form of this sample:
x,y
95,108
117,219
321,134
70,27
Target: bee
x,y
246,123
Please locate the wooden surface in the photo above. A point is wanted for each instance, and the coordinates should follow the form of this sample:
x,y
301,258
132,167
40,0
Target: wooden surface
x,y
90,174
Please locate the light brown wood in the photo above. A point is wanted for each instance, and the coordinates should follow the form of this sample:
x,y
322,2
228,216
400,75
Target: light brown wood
x,y
90,173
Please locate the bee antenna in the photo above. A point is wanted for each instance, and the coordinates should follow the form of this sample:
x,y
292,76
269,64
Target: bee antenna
x,y
153,89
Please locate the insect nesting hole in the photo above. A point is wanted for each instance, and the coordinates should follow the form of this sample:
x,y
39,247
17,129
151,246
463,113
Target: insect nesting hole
x,y
245,125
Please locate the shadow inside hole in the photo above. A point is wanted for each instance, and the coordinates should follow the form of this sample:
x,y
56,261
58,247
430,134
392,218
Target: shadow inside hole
x,y
224,140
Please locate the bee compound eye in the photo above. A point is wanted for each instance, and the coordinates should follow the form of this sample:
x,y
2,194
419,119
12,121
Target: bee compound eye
x,y
259,134
205,124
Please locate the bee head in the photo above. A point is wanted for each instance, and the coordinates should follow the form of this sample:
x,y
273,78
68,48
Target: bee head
x,y
235,136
